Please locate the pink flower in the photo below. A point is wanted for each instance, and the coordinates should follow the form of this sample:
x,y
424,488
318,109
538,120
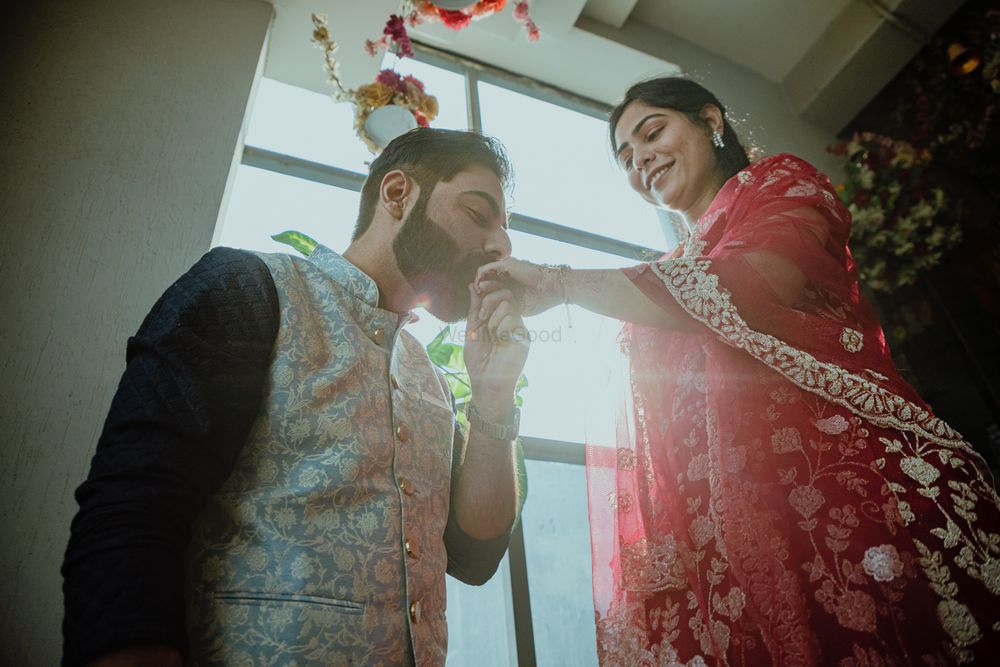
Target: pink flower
x,y
806,500
521,11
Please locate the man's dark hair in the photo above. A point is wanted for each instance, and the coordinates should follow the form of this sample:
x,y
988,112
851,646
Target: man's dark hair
x,y
429,156
689,98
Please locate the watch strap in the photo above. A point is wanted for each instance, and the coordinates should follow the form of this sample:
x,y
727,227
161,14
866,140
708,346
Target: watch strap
x,y
493,429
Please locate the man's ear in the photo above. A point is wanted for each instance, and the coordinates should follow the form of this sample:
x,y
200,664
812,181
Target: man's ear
x,y
712,116
394,191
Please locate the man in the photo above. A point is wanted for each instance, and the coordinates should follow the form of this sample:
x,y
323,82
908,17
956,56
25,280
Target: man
x,y
280,470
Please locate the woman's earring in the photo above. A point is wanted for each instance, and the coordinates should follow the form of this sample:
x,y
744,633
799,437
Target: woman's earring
x,y
717,139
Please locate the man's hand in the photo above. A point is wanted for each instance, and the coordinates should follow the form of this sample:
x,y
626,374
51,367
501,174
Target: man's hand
x,y
140,656
496,347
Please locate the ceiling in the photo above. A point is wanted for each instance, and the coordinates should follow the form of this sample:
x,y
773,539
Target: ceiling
x,y
745,32
828,57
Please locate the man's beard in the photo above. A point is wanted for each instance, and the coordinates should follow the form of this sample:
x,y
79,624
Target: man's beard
x,y
429,259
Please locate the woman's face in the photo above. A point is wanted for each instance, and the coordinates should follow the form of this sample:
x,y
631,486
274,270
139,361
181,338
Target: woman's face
x,y
668,159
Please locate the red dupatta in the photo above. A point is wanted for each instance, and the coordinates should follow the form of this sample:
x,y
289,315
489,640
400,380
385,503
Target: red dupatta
x,y
698,514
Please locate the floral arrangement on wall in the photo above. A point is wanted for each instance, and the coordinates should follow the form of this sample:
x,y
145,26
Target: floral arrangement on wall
x,y
395,103
902,224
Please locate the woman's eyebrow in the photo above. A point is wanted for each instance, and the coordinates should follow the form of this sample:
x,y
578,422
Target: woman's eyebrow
x,y
635,131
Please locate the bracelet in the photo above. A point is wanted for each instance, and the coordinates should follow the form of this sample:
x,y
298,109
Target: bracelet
x,y
558,269
495,430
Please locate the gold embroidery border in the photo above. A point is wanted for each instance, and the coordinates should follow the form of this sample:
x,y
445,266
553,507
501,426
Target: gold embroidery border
x,y
698,293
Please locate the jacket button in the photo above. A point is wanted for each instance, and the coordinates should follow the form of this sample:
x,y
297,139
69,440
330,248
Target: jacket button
x,y
415,611
406,485
394,382
412,550
403,433
378,336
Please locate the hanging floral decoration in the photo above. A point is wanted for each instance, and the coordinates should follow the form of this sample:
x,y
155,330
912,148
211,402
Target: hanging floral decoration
x,y
902,225
394,38
388,88
419,11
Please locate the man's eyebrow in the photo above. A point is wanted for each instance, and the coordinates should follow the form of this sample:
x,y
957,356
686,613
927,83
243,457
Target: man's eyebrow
x,y
635,131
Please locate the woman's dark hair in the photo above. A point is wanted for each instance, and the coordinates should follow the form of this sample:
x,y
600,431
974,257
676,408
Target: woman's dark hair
x,y
689,98
428,156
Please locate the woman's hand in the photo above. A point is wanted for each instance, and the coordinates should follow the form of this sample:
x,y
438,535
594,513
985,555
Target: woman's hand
x,y
535,287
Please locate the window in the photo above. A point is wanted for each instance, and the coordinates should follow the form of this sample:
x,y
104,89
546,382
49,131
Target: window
x,y
303,168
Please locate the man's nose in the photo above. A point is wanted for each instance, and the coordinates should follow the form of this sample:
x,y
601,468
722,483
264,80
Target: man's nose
x,y
498,245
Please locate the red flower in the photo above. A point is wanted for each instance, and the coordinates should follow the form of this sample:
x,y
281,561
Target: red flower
x,y
521,11
454,19
421,119
486,7
394,27
395,30
391,79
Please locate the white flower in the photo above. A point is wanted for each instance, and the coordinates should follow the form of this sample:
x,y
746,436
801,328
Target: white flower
x,y
882,563
866,177
786,440
853,341
256,559
834,425
302,567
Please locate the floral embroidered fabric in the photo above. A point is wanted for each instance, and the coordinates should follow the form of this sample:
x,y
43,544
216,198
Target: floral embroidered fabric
x,y
324,545
780,495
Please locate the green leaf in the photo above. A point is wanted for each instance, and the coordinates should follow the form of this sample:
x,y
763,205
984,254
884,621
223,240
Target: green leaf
x,y
522,382
457,359
443,354
522,477
459,387
304,243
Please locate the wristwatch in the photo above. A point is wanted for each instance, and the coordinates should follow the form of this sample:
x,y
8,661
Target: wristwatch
x,y
493,429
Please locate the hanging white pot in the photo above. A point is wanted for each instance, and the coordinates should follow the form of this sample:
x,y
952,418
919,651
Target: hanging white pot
x,y
386,123
453,4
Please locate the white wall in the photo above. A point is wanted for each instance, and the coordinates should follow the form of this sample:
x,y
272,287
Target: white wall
x,y
119,124
764,109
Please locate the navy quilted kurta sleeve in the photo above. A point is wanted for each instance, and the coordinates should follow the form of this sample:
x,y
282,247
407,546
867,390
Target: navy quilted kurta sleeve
x,y
195,375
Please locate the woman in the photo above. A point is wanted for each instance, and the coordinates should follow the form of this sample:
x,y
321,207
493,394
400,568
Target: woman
x,y
785,497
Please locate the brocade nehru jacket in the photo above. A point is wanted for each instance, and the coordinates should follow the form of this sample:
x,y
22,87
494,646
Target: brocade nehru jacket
x,y
275,474
325,544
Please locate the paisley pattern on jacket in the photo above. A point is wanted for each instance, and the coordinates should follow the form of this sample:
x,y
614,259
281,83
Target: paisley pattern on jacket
x,y
325,545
